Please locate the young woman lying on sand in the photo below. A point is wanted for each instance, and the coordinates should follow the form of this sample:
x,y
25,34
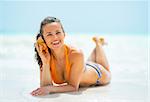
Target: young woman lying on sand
x,y
62,67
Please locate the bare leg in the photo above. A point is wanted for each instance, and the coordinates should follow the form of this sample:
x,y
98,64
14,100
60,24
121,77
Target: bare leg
x,y
92,56
98,54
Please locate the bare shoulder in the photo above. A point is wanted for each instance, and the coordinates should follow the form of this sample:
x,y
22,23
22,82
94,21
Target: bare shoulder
x,y
75,54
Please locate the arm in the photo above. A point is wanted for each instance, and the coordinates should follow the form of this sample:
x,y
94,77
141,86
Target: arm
x,y
75,75
45,76
73,84
45,81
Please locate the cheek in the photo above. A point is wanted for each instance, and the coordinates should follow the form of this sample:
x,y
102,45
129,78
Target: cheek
x,y
48,41
63,38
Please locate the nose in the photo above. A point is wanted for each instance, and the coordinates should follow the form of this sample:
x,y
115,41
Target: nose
x,y
55,36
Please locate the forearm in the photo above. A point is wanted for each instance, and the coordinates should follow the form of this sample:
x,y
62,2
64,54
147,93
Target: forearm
x,y
45,76
64,88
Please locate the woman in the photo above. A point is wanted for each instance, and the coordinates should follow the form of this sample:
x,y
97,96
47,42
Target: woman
x,y
62,68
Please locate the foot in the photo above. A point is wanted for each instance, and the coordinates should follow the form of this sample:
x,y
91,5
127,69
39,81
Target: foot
x,y
99,40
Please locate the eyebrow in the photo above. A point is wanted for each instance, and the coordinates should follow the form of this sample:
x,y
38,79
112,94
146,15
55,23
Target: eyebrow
x,y
57,30
48,33
51,33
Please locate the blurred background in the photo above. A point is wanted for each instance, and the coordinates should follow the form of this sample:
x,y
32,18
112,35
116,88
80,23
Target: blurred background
x,y
85,16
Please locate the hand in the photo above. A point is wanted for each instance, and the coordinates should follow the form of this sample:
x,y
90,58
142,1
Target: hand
x,y
43,52
41,91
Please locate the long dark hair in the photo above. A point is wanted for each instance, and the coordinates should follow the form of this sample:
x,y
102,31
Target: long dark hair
x,y
47,20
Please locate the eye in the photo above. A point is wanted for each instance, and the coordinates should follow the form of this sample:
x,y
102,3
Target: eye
x,y
57,32
49,34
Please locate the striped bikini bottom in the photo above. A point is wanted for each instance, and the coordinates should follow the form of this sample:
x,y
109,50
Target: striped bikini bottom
x,y
97,68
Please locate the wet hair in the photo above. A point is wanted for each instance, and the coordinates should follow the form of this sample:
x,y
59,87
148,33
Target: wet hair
x,y
37,57
47,20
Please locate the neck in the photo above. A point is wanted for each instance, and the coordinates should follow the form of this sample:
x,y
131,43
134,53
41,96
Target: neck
x,y
59,53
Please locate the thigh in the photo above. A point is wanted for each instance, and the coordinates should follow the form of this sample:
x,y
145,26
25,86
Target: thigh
x,y
88,77
103,76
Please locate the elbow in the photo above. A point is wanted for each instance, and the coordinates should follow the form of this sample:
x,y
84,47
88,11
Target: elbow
x,y
75,88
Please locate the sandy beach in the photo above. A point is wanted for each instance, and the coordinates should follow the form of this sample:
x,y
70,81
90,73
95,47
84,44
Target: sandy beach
x,y
127,56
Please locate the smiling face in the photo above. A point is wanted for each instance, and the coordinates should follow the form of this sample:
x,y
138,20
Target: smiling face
x,y
53,35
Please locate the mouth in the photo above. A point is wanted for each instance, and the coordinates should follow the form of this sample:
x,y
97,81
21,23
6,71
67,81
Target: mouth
x,y
56,43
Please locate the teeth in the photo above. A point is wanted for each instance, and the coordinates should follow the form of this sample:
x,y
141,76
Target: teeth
x,y
55,42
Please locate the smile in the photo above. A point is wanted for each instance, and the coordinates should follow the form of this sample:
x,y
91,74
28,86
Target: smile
x,y
56,43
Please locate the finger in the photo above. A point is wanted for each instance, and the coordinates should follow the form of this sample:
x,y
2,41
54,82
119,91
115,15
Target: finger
x,y
38,92
35,91
43,49
37,47
32,93
40,47
44,45
46,49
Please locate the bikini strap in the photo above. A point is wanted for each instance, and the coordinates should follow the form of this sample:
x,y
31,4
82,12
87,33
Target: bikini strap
x,y
67,62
